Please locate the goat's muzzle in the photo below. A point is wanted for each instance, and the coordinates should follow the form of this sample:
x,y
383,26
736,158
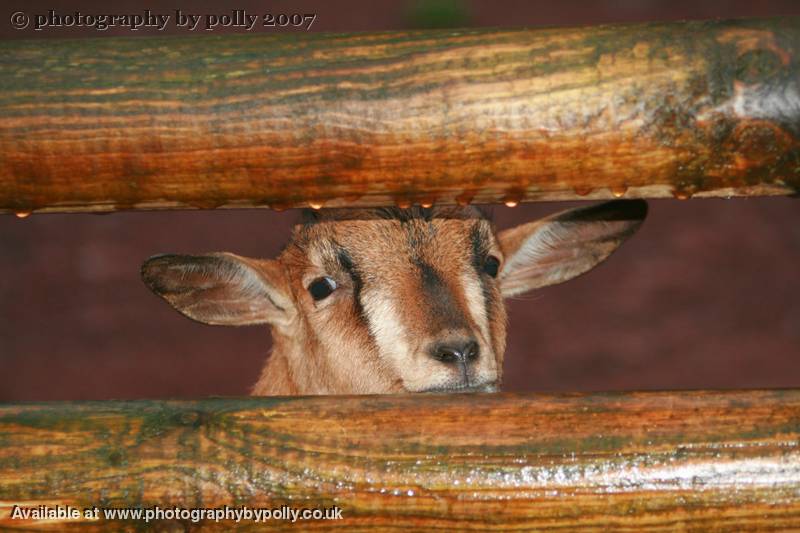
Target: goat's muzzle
x,y
484,387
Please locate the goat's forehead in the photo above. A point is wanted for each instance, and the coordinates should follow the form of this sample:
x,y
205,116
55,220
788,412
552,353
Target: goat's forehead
x,y
376,236
393,213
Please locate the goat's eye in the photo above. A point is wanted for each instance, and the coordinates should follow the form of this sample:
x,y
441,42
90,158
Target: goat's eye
x,y
321,288
491,266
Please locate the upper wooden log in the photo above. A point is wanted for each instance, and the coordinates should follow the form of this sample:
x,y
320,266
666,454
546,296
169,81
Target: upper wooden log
x,y
648,110
634,462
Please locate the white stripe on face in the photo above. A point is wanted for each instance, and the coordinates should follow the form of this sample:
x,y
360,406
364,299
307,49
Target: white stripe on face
x,y
386,327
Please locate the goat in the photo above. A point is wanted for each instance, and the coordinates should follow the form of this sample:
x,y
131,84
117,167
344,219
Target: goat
x,y
365,301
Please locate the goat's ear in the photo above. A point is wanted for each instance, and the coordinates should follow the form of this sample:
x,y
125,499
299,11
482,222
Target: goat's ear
x,y
221,289
565,245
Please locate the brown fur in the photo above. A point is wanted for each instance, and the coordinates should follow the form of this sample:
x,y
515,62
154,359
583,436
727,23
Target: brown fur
x,y
386,246
411,284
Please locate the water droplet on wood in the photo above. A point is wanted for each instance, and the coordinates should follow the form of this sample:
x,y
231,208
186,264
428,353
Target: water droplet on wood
x,y
22,214
403,203
681,194
512,198
315,205
583,191
619,191
427,202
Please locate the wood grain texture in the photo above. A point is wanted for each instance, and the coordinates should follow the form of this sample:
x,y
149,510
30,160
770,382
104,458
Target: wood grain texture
x,y
724,461
648,110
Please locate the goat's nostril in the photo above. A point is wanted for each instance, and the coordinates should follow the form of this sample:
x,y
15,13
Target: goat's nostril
x,y
453,352
446,354
471,351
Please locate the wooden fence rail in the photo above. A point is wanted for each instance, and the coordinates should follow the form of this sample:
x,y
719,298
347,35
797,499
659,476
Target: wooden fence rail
x,y
628,461
648,110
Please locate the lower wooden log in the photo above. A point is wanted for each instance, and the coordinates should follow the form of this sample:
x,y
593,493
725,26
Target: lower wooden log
x,y
627,461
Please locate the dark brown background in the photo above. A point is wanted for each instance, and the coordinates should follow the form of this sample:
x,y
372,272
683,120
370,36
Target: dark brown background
x,y
706,295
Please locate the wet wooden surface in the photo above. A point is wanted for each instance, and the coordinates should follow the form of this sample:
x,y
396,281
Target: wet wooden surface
x,y
648,110
723,461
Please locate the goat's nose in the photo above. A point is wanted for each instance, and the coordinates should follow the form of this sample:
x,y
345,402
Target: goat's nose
x,y
461,351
